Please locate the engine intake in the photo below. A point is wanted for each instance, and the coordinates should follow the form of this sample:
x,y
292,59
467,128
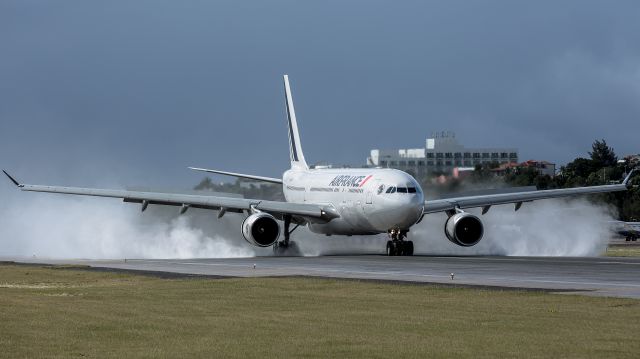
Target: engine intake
x,y
464,229
261,229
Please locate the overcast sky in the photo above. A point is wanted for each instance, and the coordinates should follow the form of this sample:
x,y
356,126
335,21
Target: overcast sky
x,y
125,93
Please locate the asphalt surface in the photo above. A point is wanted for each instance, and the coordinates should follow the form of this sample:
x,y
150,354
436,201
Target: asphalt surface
x,y
602,276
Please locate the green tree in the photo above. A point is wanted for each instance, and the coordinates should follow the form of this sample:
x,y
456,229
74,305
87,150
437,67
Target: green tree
x,y
580,167
525,176
481,173
602,155
266,191
205,184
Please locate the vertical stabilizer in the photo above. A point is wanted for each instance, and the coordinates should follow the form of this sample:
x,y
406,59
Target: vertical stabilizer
x,y
295,148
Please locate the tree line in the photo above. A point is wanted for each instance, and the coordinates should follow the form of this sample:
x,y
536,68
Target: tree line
x,y
600,168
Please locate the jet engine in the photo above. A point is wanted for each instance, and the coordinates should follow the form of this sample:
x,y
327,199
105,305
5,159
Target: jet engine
x,y
464,229
261,229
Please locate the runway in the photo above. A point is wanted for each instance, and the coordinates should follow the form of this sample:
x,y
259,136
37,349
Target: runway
x,y
601,276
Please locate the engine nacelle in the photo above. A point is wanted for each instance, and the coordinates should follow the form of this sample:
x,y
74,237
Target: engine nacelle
x,y
464,229
261,229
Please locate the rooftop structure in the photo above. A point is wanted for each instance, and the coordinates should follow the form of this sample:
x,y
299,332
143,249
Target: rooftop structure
x,y
440,155
633,159
543,167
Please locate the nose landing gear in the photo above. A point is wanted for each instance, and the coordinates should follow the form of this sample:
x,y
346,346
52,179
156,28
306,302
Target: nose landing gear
x,y
397,245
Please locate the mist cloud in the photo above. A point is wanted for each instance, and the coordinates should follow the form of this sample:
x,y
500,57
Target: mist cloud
x,y
44,226
74,227
574,227
542,228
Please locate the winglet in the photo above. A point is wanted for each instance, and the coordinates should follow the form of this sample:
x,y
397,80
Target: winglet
x,y
626,180
12,179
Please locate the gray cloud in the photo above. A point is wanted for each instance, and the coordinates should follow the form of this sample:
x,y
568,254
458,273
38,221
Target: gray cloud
x,y
123,93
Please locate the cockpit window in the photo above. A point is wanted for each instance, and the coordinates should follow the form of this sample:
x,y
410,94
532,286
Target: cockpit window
x,y
393,189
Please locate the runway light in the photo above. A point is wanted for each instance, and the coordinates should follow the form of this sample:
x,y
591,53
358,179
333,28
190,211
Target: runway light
x,y
452,275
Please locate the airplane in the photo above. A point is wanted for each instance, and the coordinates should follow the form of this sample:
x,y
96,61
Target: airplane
x,y
366,201
629,230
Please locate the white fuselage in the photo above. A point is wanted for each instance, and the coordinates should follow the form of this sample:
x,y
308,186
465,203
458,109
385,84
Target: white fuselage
x,y
369,201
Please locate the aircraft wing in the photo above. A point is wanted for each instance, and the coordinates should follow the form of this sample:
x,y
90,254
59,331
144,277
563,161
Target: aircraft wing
x,y
486,201
313,212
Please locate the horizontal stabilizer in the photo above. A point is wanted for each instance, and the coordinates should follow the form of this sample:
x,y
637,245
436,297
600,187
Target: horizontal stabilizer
x,y
240,175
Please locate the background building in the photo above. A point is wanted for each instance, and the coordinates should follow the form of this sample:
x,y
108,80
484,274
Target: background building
x,y
440,155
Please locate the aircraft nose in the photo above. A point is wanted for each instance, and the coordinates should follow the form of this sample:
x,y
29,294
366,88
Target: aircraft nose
x,y
416,203
408,210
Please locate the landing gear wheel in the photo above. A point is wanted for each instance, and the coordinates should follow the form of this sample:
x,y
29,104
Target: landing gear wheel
x,y
408,248
289,249
400,249
397,245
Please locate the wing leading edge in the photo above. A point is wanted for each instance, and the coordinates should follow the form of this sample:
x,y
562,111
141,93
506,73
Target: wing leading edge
x,y
312,212
486,201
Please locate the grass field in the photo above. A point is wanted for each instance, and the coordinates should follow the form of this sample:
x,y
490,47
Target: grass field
x,y
66,313
623,251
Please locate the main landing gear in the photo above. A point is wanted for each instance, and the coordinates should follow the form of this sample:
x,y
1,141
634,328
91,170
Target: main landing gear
x,y
397,245
287,247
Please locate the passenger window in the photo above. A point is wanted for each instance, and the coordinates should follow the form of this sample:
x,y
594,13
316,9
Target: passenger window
x,y
402,189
